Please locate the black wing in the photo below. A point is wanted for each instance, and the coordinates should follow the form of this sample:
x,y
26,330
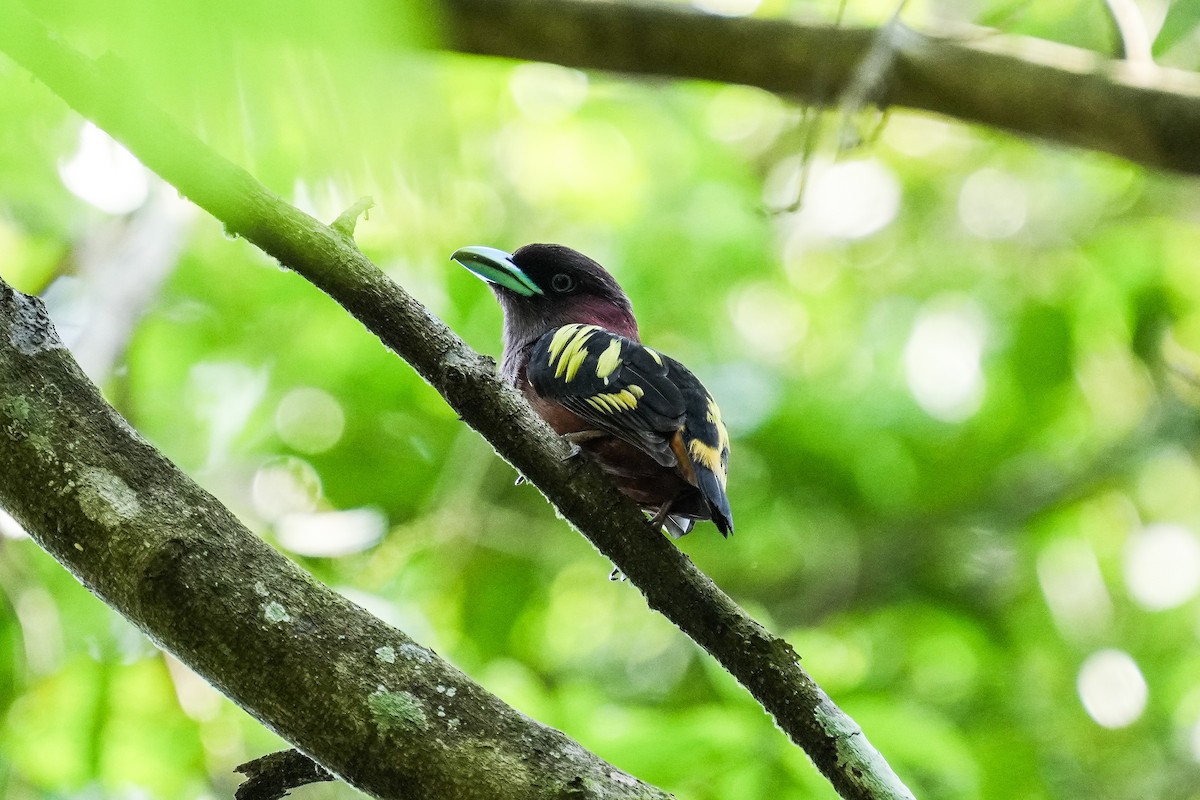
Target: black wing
x,y
620,386
632,392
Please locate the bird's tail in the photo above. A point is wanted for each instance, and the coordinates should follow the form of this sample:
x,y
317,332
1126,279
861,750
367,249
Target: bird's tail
x,y
715,497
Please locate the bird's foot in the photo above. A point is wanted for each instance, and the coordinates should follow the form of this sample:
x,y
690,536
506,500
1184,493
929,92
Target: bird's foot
x,y
617,575
580,438
520,480
583,437
660,517
676,527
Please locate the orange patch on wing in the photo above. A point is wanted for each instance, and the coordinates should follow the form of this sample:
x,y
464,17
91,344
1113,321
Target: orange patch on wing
x,y
679,447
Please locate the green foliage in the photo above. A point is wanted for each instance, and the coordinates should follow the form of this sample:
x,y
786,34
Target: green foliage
x,y
960,381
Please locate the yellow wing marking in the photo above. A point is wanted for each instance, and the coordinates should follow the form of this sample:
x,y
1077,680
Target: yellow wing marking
x,y
714,416
578,354
569,352
616,402
560,341
609,360
706,454
657,358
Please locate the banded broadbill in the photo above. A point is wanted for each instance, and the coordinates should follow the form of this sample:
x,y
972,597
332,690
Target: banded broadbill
x,y
571,346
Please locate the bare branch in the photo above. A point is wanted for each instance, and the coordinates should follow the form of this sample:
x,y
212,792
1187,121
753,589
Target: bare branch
x,y
1138,111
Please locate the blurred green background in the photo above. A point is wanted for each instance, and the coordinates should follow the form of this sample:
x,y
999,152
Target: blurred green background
x,y
958,369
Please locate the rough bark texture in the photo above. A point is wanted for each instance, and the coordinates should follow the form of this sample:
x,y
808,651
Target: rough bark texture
x,y
274,775
671,584
1138,111
371,704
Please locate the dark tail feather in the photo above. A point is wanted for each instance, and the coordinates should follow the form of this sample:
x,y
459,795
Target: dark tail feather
x,y
714,495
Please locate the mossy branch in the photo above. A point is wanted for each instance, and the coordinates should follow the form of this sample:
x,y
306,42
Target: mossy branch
x,y
361,697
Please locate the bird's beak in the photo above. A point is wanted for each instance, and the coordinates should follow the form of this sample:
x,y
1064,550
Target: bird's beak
x,y
496,266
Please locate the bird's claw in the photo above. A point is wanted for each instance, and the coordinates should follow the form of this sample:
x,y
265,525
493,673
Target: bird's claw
x,y
577,438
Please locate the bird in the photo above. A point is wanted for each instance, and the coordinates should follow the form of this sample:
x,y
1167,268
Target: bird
x,y
572,348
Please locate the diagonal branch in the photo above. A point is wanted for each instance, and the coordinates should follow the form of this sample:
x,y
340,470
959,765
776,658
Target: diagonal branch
x,y
1145,113
368,702
765,665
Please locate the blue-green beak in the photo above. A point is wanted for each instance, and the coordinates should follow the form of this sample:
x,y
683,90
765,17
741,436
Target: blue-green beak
x,y
496,266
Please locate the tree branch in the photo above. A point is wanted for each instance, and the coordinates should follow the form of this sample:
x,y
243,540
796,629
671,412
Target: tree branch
x,y
1138,111
274,775
368,702
767,666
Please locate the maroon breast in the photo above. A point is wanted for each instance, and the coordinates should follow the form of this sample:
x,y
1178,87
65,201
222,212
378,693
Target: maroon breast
x,y
636,474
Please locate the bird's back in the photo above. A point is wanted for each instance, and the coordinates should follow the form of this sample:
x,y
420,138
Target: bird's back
x,y
653,404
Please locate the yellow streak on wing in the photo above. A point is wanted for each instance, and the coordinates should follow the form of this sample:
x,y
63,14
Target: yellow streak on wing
x,y
657,358
573,351
609,360
706,454
714,416
616,402
577,356
635,390
560,341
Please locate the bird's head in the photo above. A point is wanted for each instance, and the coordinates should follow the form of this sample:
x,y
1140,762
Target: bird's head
x,y
544,286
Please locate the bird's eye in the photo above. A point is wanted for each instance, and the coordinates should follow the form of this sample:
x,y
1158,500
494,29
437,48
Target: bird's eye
x,y
562,282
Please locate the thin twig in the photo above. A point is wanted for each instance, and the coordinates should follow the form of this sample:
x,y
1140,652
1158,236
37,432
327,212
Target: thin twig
x,y
871,78
1133,42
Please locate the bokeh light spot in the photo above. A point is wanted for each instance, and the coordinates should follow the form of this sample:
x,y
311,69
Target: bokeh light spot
x,y
1112,688
942,360
749,394
583,165
993,204
738,114
1073,586
1195,741
728,8
547,92
104,174
844,200
330,534
1162,565
285,485
10,528
310,420
917,135
770,320
225,394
